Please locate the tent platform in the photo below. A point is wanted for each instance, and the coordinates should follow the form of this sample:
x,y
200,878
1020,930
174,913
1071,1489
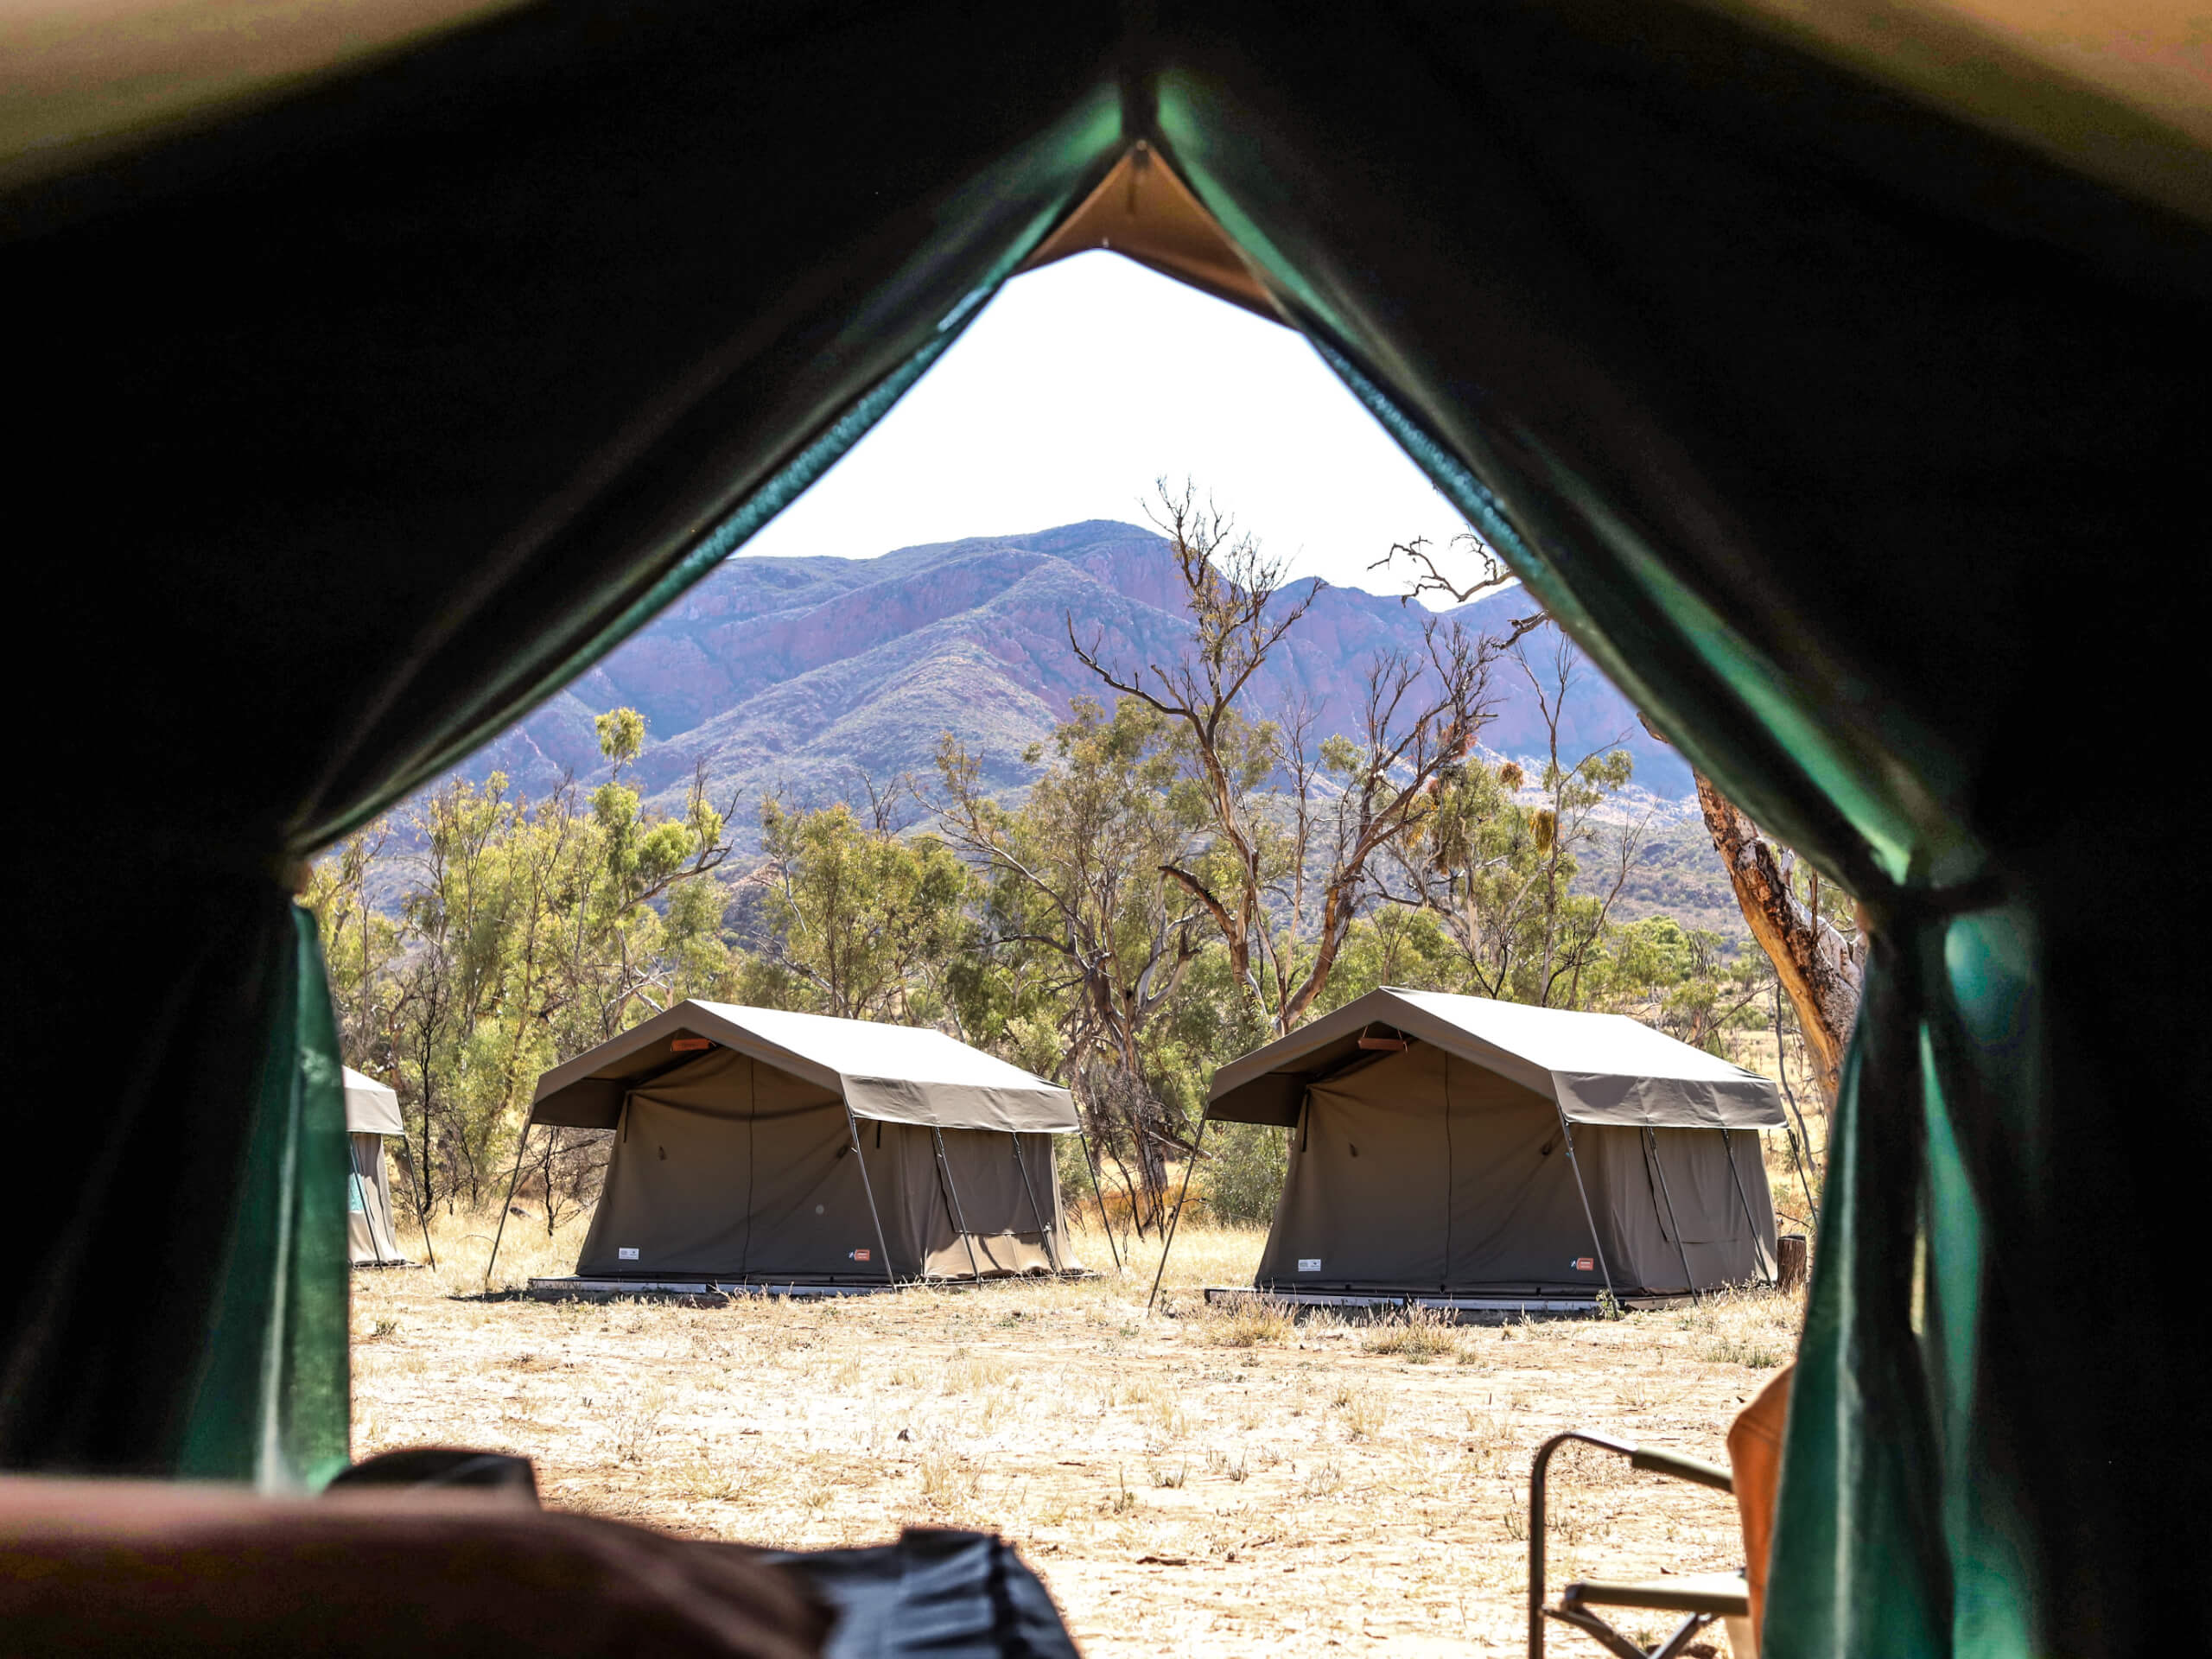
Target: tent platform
x,y
555,1290
579,1290
1468,1307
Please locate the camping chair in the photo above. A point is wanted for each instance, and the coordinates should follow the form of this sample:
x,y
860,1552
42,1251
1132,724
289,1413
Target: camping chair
x,y
1754,1441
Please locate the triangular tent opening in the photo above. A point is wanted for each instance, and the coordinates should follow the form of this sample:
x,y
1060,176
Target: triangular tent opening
x,y
1802,370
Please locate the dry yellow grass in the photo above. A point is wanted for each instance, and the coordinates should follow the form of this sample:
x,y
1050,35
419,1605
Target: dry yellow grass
x,y
1207,1480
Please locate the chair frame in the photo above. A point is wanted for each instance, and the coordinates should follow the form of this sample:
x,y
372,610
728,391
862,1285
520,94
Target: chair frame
x,y
1701,1606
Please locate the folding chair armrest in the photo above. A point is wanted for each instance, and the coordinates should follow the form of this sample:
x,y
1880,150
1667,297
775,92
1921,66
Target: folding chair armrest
x,y
1682,1468
1720,1595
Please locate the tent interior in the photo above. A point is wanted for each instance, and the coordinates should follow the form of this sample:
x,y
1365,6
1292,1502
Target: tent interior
x,y
1453,1145
371,1113
1835,375
752,1145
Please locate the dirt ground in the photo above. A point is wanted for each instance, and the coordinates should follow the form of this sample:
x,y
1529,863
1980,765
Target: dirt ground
x,y
1193,1482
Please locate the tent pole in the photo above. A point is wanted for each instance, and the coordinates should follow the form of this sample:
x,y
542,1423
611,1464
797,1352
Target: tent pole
x,y
1105,1221
1651,1140
1044,1227
853,1128
1743,1198
1168,1243
359,1186
1567,1133
513,1181
952,1202
422,1215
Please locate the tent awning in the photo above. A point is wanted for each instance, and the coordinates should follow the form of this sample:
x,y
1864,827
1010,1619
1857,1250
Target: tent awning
x,y
371,1107
890,1074
1601,1068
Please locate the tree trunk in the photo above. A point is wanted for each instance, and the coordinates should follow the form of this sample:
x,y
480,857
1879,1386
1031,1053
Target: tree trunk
x,y
1817,968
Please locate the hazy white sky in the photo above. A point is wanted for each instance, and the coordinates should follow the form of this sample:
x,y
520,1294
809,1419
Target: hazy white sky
x,y
1084,381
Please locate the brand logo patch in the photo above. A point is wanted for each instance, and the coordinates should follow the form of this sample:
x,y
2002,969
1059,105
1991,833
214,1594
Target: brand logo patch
x,y
1584,1264
626,1255
1309,1264
859,1256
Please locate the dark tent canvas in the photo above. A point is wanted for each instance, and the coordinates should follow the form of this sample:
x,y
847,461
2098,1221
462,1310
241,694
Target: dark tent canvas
x,y
371,1113
1505,1150
752,1145
1829,372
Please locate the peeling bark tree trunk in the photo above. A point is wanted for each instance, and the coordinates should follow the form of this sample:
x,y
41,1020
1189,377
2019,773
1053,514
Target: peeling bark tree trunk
x,y
1819,971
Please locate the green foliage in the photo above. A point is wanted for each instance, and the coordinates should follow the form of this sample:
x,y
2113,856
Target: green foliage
x,y
865,924
621,735
1242,1173
483,936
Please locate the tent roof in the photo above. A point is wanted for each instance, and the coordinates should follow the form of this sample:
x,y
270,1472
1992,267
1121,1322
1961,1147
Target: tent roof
x,y
371,1107
1601,1068
1142,211
891,1074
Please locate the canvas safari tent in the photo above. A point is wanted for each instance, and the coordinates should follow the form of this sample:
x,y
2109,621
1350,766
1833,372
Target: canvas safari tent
x,y
1800,359
1486,1151
733,1157
371,1113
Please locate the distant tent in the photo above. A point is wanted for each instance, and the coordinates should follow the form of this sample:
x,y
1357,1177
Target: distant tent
x,y
371,1113
1455,1145
733,1157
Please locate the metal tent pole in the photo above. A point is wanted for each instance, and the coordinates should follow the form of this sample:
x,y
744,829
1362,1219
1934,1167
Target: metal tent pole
x,y
868,1187
952,1202
1652,1141
1566,1134
368,1219
1044,1227
1105,1221
513,1181
1744,1198
1175,1220
422,1215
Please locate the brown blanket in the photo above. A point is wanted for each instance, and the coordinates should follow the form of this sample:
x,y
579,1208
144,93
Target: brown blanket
x,y
128,1566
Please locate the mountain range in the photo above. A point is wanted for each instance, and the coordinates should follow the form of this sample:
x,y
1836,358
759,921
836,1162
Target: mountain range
x,y
801,674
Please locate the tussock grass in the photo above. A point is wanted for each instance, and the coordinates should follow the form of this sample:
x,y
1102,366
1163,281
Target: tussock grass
x,y
1228,1480
1417,1333
1251,1320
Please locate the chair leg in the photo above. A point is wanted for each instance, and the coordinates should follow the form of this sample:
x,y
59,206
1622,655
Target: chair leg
x,y
1681,1639
1598,1631
1614,1642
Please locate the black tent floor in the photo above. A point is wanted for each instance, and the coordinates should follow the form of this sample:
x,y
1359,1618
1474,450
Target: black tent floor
x,y
603,1289
1469,1306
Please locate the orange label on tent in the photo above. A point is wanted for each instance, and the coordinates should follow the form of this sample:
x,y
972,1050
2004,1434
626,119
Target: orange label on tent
x,y
860,1255
1583,1264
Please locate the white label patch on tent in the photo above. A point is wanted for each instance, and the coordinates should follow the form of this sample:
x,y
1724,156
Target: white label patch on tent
x,y
626,1255
1309,1264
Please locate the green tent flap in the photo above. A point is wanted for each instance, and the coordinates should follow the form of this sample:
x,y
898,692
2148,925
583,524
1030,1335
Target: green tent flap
x,y
273,1404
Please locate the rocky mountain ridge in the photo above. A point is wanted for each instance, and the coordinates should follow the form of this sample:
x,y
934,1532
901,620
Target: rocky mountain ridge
x,y
798,674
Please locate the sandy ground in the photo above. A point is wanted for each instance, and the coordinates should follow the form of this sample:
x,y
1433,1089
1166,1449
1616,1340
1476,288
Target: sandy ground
x,y
1193,1481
